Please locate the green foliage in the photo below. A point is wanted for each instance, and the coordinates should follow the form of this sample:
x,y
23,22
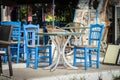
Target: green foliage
x,y
117,77
65,14
24,11
74,78
6,78
81,78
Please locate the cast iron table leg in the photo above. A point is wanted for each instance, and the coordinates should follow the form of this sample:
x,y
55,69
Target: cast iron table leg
x,y
9,62
0,66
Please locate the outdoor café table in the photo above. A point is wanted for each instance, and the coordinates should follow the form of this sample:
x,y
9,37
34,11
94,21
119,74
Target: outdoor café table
x,y
78,39
60,41
77,30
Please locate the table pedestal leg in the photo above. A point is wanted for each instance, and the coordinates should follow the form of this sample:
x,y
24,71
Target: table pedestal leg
x,y
61,55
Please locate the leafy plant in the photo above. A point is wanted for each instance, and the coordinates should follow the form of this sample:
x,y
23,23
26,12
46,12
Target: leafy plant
x,y
74,78
82,78
116,77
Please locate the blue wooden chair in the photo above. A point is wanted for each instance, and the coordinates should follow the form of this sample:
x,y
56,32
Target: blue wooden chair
x,y
15,38
34,51
85,52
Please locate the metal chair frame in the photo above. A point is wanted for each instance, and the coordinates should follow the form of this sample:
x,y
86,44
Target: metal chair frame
x,y
15,37
5,43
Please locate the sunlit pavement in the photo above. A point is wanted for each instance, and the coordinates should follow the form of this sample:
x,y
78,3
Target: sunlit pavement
x,y
61,73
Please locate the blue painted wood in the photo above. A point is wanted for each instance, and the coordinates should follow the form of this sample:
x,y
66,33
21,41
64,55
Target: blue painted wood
x,y
34,51
87,51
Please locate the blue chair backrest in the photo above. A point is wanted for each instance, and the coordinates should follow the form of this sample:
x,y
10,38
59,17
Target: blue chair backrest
x,y
16,29
96,32
17,24
30,36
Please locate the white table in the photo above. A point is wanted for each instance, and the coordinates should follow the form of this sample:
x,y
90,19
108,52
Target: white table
x,y
60,39
78,39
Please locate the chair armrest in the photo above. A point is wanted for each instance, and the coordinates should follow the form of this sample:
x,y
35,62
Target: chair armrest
x,y
4,42
2,53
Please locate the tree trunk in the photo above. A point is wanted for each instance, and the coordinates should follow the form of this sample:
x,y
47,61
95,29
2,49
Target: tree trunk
x,y
104,19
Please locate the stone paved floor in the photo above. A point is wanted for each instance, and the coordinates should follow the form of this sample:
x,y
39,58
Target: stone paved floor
x,y
22,73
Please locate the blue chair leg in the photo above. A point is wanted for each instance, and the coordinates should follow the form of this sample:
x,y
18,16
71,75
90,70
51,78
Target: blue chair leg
x,y
27,59
36,58
90,58
17,58
50,55
74,55
11,55
85,56
5,57
97,62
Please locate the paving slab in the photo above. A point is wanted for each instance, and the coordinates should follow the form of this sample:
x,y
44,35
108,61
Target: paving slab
x,y
22,73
